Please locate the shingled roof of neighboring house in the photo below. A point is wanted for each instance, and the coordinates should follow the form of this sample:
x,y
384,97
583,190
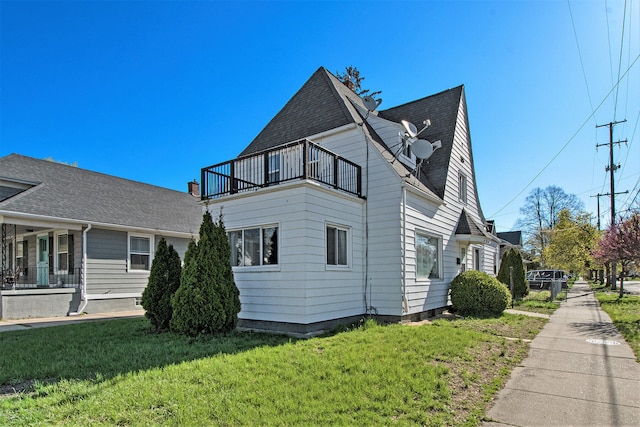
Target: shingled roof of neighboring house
x,y
324,103
60,191
513,237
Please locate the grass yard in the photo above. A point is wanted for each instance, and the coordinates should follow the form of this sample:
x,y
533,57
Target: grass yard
x,y
538,302
119,373
625,314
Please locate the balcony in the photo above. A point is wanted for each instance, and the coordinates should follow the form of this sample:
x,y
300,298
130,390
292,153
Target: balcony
x,y
301,160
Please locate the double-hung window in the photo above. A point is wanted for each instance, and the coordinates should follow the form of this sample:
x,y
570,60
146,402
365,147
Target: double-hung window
x,y
337,246
254,246
64,253
139,252
428,259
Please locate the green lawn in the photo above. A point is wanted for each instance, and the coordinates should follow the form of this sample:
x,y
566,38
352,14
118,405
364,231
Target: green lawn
x,y
119,373
625,314
538,302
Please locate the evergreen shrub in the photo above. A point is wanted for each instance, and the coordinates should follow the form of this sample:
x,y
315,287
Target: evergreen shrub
x,y
512,258
207,300
164,279
475,293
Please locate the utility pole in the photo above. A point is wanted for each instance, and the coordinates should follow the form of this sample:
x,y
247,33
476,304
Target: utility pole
x,y
611,169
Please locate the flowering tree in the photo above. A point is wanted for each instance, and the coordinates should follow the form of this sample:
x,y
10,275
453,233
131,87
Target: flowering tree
x,y
621,244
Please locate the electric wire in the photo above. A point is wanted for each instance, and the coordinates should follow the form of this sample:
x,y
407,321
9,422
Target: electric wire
x,y
624,18
606,7
584,74
570,139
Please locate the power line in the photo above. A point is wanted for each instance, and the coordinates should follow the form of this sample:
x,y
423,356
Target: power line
x,y
624,18
570,139
584,74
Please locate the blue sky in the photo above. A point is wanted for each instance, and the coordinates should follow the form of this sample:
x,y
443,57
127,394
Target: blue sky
x,y
154,91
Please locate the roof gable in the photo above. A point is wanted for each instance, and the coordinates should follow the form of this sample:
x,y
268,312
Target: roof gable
x,y
318,106
442,109
72,193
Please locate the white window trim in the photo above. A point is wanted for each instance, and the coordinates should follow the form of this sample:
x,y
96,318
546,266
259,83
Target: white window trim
x,y
261,267
56,268
338,267
152,246
440,277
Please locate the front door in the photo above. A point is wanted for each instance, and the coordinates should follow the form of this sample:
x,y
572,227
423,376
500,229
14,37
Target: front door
x,y
43,260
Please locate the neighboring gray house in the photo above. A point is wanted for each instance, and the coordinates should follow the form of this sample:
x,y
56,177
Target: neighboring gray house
x,y
74,240
331,215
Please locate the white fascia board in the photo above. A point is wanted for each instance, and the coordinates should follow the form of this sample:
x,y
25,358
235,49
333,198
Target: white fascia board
x,y
412,188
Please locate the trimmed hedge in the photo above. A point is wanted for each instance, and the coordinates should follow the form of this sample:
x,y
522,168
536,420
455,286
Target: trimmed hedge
x,y
475,293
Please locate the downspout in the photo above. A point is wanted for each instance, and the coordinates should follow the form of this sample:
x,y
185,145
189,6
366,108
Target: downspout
x,y
83,286
405,303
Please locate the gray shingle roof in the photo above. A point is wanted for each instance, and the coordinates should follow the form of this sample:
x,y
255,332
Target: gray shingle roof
x,y
469,227
442,110
324,103
84,196
513,237
318,106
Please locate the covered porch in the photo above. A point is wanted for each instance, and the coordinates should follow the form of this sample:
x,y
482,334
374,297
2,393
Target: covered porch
x,y
40,268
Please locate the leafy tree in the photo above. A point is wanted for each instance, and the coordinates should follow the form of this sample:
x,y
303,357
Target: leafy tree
x,y
621,244
207,300
351,78
540,215
164,279
571,242
512,258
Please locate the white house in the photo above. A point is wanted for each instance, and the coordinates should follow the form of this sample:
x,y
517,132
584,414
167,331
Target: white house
x,y
330,216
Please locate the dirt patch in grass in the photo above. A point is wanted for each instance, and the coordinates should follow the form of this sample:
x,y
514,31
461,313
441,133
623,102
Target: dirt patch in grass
x,y
474,384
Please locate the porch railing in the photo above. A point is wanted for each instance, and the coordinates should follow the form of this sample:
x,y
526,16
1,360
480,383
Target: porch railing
x,y
298,160
40,278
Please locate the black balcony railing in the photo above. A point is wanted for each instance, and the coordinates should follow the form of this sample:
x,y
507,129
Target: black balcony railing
x,y
40,278
298,160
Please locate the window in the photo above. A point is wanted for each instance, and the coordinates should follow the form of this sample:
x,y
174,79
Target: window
x,y
406,149
254,246
476,259
462,187
22,254
337,250
427,257
274,168
463,259
139,253
63,252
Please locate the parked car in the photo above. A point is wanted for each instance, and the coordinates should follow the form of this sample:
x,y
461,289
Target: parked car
x,y
541,279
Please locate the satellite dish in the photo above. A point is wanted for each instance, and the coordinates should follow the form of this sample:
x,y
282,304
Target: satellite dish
x,y
411,129
422,149
370,103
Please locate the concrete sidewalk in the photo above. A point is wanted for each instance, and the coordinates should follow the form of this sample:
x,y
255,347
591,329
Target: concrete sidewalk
x,y
579,372
24,324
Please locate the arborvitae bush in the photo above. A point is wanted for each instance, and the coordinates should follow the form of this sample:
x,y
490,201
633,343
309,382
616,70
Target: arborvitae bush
x,y
205,301
512,258
475,293
164,279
